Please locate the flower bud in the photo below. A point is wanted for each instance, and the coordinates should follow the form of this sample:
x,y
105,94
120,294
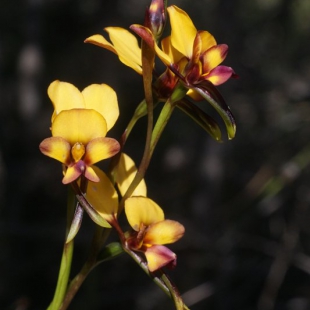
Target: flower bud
x,y
155,18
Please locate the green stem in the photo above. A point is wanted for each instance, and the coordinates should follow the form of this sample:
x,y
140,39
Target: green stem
x,y
99,238
65,265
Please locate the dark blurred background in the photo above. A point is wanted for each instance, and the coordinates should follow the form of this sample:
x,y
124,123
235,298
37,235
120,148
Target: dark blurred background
x,y
244,203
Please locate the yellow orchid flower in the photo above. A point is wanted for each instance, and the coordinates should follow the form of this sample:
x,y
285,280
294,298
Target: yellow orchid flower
x,y
151,231
79,126
193,55
124,44
194,58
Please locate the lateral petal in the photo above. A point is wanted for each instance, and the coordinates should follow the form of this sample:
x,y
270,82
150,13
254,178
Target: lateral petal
x,y
57,148
102,98
183,31
64,96
164,232
79,125
99,149
142,211
212,57
159,256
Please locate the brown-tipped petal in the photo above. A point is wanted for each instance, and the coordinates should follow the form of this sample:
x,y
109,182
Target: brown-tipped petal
x,y
159,256
91,175
73,172
57,148
219,75
99,149
212,57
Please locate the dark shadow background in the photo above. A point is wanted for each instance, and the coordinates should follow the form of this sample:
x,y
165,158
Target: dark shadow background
x,y
244,203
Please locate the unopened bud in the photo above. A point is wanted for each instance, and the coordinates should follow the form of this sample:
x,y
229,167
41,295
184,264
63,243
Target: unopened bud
x,y
155,17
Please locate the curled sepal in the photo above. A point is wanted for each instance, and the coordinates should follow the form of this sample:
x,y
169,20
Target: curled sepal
x,y
93,214
201,118
207,90
110,251
76,223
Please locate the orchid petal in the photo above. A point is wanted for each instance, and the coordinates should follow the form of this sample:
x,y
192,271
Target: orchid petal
x,y
102,98
124,174
90,174
142,211
219,75
169,50
164,232
207,39
73,172
64,96
214,56
183,31
102,196
159,256
79,125
99,149
125,45
57,148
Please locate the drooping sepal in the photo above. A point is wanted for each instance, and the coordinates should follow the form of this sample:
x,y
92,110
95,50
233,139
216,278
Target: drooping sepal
x,y
208,91
201,118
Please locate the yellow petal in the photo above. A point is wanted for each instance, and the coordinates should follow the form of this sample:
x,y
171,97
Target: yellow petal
x,y
183,31
57,148
99,40
124,173
79,125
125,45
142,210
207,40
102,196
159,256
99,149
73,173
164,232
64,96
168,49
90,174
103,99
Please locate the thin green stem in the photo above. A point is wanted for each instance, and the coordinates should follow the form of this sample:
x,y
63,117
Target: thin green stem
x,y
66,260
